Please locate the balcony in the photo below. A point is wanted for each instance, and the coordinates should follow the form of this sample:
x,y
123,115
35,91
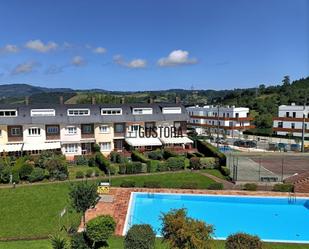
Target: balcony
x,y
15,133
87,131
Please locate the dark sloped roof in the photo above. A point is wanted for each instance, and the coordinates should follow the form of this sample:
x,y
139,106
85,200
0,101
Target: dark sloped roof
x,y
61,117
296,178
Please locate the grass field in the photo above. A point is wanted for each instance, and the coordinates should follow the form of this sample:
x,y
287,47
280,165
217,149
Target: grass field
x,y
117,243
170,180
214,172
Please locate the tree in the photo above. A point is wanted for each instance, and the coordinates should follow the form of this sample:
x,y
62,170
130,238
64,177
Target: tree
x,y
140,237
182,232
243,241
83,195
99,229
59,242
286,80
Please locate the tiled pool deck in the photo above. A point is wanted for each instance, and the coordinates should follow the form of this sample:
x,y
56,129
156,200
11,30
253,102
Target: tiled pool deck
x,y
118,208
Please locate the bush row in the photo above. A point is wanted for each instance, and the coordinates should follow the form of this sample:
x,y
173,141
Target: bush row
x,y
209,150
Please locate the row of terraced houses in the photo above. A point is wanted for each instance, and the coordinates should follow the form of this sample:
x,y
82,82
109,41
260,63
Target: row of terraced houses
x,y
74,129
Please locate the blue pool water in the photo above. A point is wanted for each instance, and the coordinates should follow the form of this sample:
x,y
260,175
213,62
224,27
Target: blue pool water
x,y
272,219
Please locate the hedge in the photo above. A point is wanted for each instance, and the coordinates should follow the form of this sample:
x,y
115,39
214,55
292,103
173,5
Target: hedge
x,y
127,184
167,154
175,163
243,241
152,166
152,184
209,162
195,163
215,186
140,237
209,150
283,187
137,156
189,185
162,166
250,187
155,155
225,171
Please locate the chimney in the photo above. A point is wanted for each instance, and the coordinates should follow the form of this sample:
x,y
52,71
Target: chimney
x,y
122,100
27,100
177,100
93,100
150,101
61,100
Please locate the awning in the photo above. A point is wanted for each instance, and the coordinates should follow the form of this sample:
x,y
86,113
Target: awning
x,y
176,140
10,147
42,146
143,141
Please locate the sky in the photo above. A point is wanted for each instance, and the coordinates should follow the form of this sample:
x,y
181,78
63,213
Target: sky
x,y
153,44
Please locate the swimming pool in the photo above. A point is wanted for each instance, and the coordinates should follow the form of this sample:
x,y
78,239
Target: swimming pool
x,y
271,218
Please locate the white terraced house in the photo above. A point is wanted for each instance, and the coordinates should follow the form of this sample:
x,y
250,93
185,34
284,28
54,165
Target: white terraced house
x,y
290,120
74,129
229,119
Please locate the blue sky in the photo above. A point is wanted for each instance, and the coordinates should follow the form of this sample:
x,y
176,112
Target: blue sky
x,y
151,45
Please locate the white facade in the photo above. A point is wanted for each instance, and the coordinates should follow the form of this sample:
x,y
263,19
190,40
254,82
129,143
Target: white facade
x,y
290,120
231,120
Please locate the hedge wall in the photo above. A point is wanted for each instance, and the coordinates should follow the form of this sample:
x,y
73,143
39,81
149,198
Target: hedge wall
x,y
210,151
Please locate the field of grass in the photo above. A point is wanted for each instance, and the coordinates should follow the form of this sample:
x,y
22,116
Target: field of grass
x,y
168,180
117,243
31,211
214,172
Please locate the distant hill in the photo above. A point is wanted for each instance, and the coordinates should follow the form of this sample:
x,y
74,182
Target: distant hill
x,y
22,90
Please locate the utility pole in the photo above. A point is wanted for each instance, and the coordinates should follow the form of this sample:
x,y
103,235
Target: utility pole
x,y
303,129
218,126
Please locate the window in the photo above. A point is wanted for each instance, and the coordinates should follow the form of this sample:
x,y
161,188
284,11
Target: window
x,y
119,128
0,133
105,146
172,110
16,131
138,111
34,131
52,129
111,111
71,130
42,112
228,115
71,148
293,125
8,113
87,129
287,114
280,124
104,129
294,114
230,124
78,112
237,115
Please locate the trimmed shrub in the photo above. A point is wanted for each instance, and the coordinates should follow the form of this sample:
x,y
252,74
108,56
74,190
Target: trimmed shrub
x,y
189,155
91,162
162,166
198,154
137,167
129,168
187,163
37,175
167,154
250,187
113,169
25,171
97,172
215,186
139,157
225,171
195,163
81,160
102,162
140,237
155,155
152,166
79,175
243,241
127,184
152,184
99,229
209,150
175,163
78,241
96,148
115,157
122,169
5,175
208,162
189,185
283,187
57,168
89,173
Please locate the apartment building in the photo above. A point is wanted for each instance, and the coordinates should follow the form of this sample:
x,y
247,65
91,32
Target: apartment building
x,y
290,120
230,120
74,129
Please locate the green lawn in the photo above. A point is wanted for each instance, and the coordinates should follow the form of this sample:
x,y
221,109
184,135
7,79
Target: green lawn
x,y
34,210
214,172
168,180
117,243
76,168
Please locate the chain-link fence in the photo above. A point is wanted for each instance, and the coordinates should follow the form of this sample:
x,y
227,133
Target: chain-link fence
x,y
266,167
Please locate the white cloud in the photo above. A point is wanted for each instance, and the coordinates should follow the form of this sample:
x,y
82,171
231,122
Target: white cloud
x,y
99,50
176,58
136,63
78,61
39,46
9,48
26,67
